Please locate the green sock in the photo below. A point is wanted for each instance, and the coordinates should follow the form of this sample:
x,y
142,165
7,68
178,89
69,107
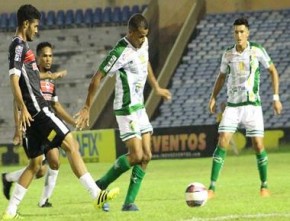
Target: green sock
x,y
120,166
217,163
262,162
135,182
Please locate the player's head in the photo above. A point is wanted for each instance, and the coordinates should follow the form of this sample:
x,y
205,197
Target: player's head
x,y
44,56
137,30
28,19
241,31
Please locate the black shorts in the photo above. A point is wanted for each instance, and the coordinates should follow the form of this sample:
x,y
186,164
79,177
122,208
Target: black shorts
x,y
47,131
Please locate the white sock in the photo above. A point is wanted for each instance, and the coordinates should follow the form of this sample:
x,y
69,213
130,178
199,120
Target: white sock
x,y
50,181
17,196
88,182
14,176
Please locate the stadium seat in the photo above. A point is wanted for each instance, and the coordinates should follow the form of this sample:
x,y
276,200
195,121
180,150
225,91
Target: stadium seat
x,y
135,9
79,17
88,17
4,22
125,14
97,17
69,18
107,16
50,19
12,22
117,15
60,19
42,22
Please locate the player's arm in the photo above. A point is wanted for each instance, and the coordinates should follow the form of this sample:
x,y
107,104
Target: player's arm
x,y
25,116
62,113
219,83
277,105
82,120
52,76
155,85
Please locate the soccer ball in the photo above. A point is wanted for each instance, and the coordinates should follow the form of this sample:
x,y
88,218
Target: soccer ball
x,y
195,194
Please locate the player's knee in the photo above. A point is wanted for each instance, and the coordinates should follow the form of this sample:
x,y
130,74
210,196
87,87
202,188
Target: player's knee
x,y
136,158
54,165
147,157
41,172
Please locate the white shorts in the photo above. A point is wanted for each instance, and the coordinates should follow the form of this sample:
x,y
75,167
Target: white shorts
x,y
249,117
134,125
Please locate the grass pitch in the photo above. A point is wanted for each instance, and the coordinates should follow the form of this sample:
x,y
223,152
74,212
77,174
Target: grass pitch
x,y
161,197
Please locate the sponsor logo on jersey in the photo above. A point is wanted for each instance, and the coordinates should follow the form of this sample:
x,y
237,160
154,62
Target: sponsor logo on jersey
x,y
18,52
110,63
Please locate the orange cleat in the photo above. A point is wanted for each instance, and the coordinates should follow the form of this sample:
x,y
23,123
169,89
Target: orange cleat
x,y
264,192
210,194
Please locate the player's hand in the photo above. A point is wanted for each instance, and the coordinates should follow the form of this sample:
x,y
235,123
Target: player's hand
x,y
82,118
25,118
60,74
212,105
277,105
164,93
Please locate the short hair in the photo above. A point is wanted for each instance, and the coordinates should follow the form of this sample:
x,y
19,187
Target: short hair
x,y
27,12
242,21
42,45
137,21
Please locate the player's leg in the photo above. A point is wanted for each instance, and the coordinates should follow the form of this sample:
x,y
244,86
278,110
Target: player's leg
x,y
262,164
138,173
52,158
70,146
255,130
227,128
22,186
219,157
130,134
8,179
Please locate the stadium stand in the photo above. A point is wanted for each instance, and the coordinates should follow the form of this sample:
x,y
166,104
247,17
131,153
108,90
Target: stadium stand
x,y
194,78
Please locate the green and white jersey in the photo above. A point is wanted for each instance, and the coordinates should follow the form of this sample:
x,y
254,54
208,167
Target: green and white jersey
x,y
130,65
243,72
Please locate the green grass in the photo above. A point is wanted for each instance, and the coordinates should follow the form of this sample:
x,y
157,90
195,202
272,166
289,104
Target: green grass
x,y
162,193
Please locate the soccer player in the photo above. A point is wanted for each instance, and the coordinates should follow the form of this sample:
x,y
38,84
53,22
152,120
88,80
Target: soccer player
x,y
129,62
240,63
43,129
44,61
17,137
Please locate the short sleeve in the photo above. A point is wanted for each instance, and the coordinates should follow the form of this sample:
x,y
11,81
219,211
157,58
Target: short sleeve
x,y
16,54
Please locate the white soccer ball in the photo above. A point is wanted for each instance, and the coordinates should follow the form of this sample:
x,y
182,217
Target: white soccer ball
x,y
196,194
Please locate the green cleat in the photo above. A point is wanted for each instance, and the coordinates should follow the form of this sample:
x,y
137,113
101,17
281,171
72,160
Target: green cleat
x,y
104,196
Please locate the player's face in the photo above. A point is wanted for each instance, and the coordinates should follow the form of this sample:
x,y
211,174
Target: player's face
x,y
32,29
137,38
45,59
241,34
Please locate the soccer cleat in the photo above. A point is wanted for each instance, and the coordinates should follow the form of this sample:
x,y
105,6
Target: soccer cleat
x,y
45,205
106,207
7,216
264,192
6,186
210,194
130,207
104,196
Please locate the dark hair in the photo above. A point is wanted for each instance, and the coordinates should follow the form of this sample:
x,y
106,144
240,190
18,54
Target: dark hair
x,y
137,21
42,45
27,12
242,21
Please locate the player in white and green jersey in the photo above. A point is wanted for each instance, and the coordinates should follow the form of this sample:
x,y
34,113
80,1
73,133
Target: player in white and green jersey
x,y
129,62
240,66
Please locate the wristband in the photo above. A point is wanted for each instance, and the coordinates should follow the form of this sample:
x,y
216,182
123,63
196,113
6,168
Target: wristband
x,y
276,97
